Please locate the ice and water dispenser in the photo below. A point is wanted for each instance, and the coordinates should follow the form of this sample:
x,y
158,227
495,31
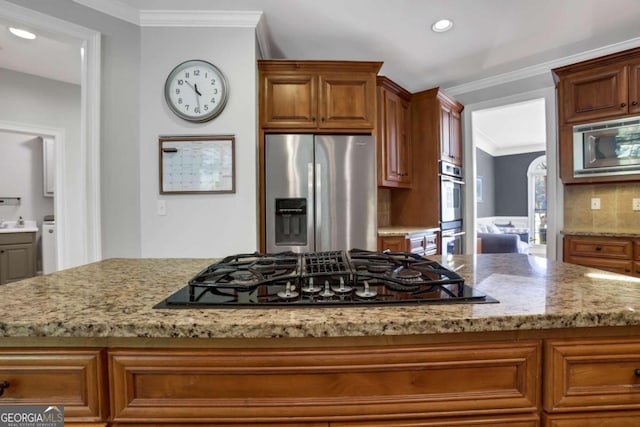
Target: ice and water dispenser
x,y
291,222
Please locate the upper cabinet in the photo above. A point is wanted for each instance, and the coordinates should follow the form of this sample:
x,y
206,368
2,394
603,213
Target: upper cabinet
x,y
450,132
394,135
599,89
317,95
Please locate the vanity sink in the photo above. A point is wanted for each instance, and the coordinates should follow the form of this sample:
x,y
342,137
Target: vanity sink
x,y
12,227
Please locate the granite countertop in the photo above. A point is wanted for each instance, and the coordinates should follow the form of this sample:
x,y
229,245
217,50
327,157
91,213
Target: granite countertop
x,y
595,233
400,230
115,298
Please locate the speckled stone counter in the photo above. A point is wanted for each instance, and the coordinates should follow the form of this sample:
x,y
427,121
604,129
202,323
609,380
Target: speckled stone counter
x,y
115,298
595,233
403,231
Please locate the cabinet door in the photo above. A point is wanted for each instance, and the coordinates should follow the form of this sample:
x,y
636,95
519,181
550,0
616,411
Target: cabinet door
x,y
597,93
634,87
445,132
594,419
392,243
289,100
347,100
17,262
395,154
455,139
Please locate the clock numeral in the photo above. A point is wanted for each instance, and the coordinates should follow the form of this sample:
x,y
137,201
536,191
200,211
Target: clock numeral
x,y
215,91
213,100
180,82
196,110
186,107
179,100
206,107
196,72
186,74
213,81
177,91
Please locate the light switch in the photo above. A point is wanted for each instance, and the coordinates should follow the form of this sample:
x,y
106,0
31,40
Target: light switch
x,y
162,207
595,203
635,205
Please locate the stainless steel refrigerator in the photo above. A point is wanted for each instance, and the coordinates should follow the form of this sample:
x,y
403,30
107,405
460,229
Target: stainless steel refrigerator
x,y
320,192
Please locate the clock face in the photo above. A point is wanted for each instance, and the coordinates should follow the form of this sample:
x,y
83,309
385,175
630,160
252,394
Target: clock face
x,y
196,90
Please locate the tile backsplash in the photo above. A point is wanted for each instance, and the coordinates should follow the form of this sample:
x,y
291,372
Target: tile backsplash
x,y
384,207
615,213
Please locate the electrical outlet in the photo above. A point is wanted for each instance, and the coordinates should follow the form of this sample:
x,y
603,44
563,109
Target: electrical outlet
x,y
595,203
162,207
635,205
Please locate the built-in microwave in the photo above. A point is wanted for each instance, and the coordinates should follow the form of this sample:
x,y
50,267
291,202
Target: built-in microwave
x,y
607,148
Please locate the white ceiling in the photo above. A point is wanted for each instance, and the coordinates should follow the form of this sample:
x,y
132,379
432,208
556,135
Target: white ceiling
x,y
492,40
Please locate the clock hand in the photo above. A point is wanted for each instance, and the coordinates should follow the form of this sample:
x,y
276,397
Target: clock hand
x,y
190,85
195,87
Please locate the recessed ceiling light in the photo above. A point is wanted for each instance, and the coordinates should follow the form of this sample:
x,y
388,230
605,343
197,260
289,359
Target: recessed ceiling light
x,y
442,25
24,34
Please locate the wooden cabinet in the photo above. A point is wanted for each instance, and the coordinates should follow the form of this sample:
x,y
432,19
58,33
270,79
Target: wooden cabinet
x,y
317,95
323,384
420,243
487,421
394,135
17,256
614,254
71,378
450,132
594,380
599,89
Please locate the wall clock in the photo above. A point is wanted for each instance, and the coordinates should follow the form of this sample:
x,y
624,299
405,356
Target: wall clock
x,y
196,90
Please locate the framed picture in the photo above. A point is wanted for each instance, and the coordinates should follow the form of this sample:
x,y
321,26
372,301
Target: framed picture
x,y
479,189
197,164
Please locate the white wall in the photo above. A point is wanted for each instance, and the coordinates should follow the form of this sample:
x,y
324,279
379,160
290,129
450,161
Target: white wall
x,y
208,225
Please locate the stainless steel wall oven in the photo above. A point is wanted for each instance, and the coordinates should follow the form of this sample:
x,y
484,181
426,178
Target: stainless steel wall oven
x,y
451,208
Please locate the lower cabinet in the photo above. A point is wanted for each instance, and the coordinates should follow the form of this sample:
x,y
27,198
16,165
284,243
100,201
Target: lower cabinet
x,y
75,379
615,254
327,385
489,421
592,382
420,243
17,256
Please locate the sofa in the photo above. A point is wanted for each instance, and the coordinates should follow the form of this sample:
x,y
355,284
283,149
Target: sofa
x,y
508,236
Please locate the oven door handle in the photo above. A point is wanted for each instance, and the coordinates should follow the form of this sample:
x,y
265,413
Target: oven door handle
x,y
445,234
450,179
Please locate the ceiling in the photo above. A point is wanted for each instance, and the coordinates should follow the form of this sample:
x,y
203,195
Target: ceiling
x,y
491,41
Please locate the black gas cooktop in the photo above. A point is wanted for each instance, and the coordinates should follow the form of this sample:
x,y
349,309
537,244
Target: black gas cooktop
x,y
334,278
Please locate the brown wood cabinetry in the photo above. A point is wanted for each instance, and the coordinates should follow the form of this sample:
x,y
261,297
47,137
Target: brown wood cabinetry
x,y
594,90
71,378
435,134
315,384
594,379
420,243
394,135
487,421
614,254
17,256
317,95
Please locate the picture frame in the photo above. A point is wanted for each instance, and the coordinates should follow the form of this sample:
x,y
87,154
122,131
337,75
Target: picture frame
x,y
197,164
479,189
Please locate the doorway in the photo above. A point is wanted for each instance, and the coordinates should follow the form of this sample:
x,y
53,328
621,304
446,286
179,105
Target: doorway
x,y
78,173
548,146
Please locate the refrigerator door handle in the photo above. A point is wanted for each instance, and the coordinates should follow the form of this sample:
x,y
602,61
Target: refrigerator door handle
x,y
310,207
318,206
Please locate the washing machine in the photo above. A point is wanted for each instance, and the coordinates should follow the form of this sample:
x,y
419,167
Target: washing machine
x,y
49,247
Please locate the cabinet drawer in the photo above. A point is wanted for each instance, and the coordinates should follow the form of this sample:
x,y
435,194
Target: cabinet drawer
x,y
636,250
72,378
417,245
16,238
268,385
613,265
519,420
592,375
601,248
597,419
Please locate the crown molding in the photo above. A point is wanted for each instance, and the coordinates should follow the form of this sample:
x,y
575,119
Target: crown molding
x,y
262,38
199,18
542,68
115,8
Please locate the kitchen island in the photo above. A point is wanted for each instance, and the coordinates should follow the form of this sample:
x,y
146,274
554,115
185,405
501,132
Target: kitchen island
x,y
560,347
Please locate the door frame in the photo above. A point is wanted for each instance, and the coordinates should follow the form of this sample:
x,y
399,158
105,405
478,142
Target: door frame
x,y
84,235
555,193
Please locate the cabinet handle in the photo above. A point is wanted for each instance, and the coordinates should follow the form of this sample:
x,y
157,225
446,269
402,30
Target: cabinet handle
x,y
313,118
598,248
626,270
624,104
637,372
322,119
634,103
5,384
